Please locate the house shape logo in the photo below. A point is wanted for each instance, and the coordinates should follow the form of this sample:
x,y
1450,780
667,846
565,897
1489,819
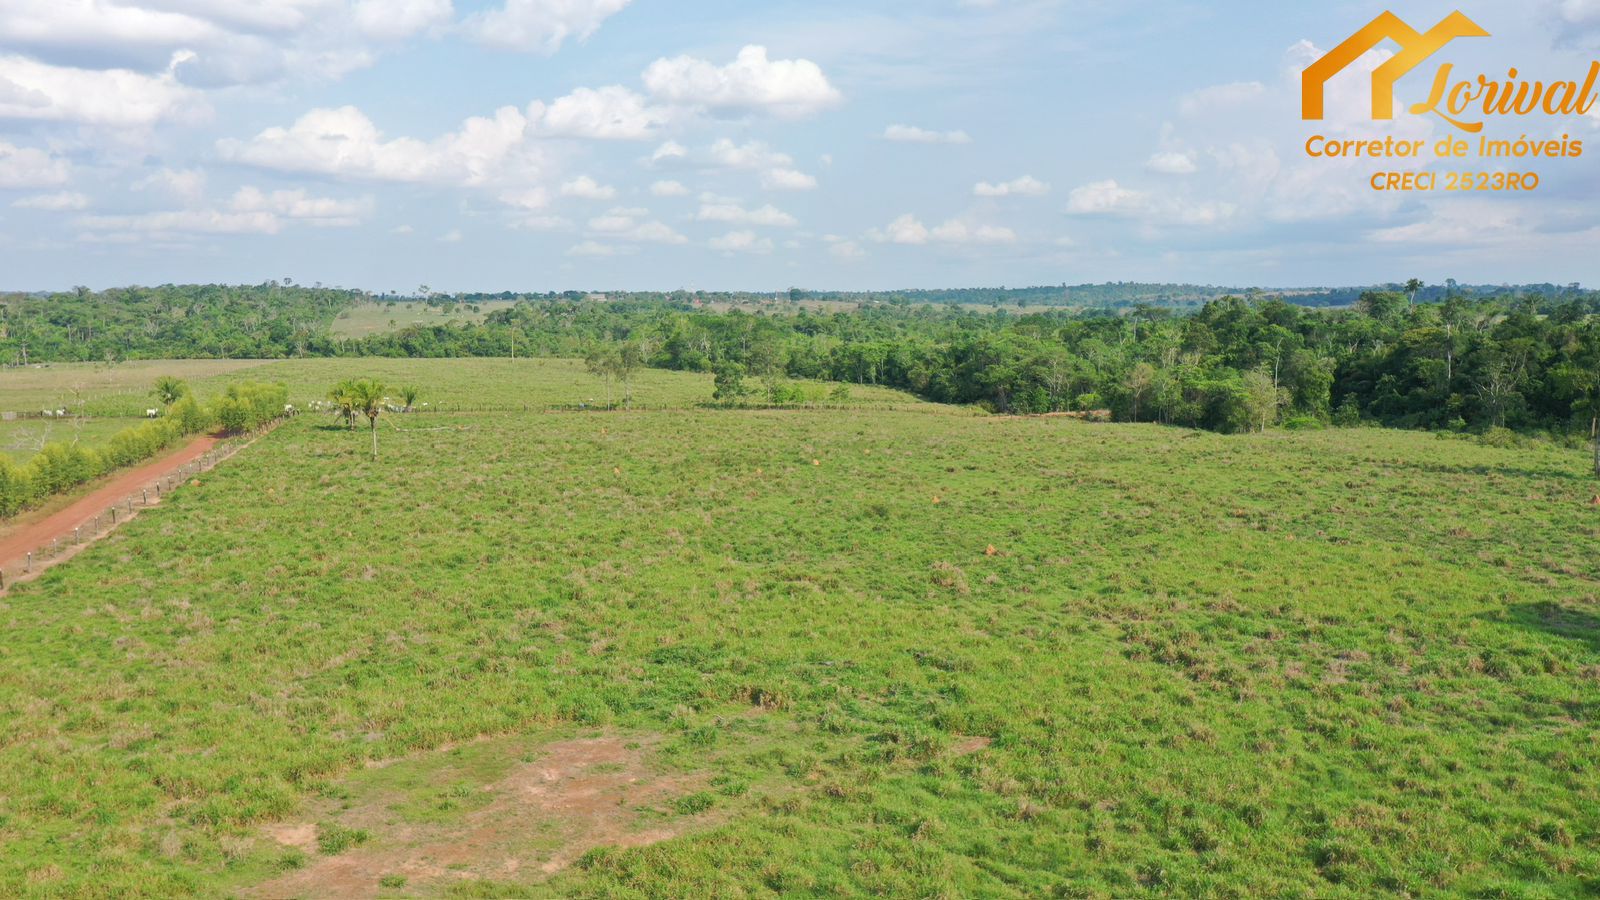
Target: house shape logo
x,y
1415,48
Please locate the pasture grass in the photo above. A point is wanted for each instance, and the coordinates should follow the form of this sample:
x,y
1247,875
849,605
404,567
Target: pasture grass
x,y
22,439
1336,663
368,319
122,389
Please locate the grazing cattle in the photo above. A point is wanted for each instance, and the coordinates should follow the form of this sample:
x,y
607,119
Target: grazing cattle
x,y
152,414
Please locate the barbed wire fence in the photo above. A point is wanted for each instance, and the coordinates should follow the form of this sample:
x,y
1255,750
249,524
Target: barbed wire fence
x,y
152,494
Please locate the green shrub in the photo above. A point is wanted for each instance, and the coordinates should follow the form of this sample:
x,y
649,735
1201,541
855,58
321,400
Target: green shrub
x,y
1303,423
1504,438
249,405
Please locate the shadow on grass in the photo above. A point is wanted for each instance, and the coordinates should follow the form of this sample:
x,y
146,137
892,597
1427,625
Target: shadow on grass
x,y
1557,619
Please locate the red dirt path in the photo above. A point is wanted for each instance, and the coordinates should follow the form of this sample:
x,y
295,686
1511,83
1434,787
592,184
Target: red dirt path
x,y
33,532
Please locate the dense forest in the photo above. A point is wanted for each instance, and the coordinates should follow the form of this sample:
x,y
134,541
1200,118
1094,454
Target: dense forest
x,y
1521,359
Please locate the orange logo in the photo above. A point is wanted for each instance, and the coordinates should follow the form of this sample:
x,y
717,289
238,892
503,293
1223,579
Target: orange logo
x,y
1415,48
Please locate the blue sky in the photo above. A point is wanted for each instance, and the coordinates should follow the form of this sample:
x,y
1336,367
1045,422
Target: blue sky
x,y
705,144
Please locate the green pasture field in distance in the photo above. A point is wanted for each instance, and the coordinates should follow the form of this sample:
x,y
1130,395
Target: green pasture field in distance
x,y
859,652
368,319
119,389
22,438
123,389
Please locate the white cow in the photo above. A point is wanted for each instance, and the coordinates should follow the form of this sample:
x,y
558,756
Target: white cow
x,y
152,414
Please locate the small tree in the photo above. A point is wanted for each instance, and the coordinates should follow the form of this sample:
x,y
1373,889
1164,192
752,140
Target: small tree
x,y
1140,379
1261,399
1413,287
729,382
603,362
409,394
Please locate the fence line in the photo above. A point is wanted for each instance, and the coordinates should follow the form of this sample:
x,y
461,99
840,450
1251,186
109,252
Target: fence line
x,y
90,530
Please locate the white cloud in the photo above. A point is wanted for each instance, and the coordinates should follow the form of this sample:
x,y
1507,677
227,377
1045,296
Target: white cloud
x,y
776,174
910,134
186,221
66,201
741,242
540,26
631,225
33,90
296,204
390,20
909,230
453,236
1026,186
28,167
751,83
767,216
752,155
843,249
585,188
608,113
787,180
250,211
529,198
1171,164
669,189
344,142
669,151
595,249
187,185
1105,198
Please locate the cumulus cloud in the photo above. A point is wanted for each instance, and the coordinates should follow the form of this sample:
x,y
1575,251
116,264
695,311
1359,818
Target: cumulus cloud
x,y
344,142
250,211
65,201
632,225
910,134
33,90
391,20
1105,198
741,242
29,167
608,113
585,188
767,216
540,26
752,83
669,189
1026,186
1169,163
594,249
909,230
187,185
1221,96
787,180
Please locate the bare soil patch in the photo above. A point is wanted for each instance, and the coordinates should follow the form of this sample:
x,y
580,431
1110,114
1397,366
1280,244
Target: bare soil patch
x,y
576,796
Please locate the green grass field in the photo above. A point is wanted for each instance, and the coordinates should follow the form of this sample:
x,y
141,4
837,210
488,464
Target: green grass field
x,y
872,651
101,390
23,438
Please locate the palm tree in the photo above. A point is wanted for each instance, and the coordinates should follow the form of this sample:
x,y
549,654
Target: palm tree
x,y
1412,288
409,395
344,404
169,390
367,398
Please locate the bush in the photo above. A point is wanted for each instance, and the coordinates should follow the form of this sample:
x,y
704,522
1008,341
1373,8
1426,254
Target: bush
x,y
1504,438
1348,415
1088,403
249,405
1303,423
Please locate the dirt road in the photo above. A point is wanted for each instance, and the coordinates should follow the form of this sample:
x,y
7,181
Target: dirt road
x,y
31,532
